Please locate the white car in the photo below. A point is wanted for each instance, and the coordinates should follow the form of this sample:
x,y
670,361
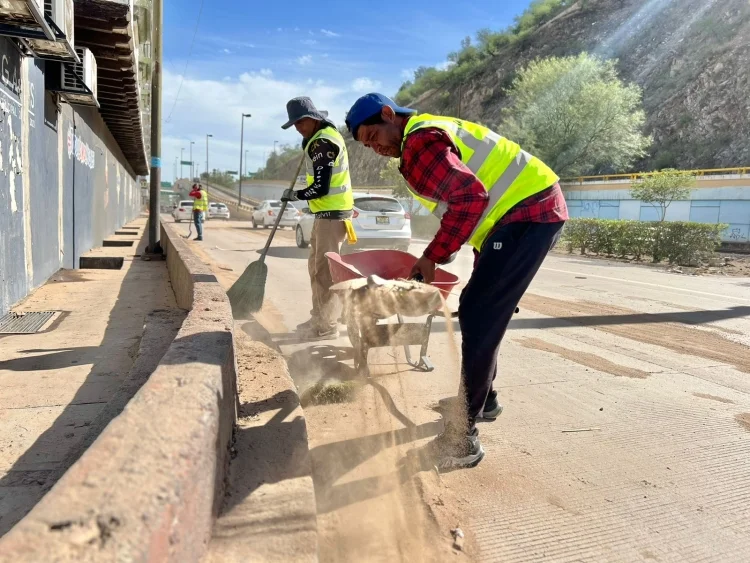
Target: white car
x,y
218,211
265,214
183,211
379,222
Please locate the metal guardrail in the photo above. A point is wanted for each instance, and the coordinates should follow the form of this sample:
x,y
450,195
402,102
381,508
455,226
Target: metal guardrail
x,y
635,176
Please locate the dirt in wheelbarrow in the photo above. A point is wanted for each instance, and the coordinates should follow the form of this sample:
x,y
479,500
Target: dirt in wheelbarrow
x,y
375,500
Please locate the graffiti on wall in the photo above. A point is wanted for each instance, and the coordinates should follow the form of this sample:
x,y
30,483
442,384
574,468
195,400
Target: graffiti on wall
x,y
11,164
83,153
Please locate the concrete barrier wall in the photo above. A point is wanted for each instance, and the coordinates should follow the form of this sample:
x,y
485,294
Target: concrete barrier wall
x,y
150,486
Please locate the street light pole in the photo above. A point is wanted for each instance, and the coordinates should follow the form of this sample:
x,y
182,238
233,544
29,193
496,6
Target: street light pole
x,y
246,160
192,166
242,138
182,158
208,175
274,147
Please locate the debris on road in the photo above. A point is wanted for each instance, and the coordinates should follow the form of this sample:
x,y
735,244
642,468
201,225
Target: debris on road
x,y
580,430
458,538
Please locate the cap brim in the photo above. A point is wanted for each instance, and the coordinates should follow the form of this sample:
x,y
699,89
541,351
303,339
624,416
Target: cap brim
x,y
320,117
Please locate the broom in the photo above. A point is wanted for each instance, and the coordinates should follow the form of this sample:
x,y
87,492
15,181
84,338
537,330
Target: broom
x,y
246,294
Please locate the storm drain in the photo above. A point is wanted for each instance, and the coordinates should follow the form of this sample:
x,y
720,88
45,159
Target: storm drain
x,y
24,323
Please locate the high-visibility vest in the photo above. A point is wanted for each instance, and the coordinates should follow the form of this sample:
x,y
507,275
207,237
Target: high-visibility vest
x,y
509,174
202,203
339,196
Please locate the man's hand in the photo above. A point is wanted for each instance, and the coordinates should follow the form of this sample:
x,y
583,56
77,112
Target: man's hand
x,y
288,195
425,268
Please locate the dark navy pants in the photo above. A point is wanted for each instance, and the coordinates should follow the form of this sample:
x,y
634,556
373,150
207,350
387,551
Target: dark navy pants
x,y
509,260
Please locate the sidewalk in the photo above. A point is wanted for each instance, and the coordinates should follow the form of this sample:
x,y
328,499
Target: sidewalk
x,y
61,386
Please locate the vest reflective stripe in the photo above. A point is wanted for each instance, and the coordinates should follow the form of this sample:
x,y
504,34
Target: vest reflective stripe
x,y
202,203
339,196
508,173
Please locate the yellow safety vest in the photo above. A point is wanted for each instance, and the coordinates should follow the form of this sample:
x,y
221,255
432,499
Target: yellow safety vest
x,y
339,197
508,173
202,203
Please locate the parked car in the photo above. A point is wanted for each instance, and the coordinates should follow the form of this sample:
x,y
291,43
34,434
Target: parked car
x,y
218,211
379,221
183,211
265,214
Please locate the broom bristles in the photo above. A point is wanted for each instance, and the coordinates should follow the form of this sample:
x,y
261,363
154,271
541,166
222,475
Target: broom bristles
x,y
246,295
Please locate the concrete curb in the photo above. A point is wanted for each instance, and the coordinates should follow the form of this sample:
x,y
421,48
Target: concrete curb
x,y
151,485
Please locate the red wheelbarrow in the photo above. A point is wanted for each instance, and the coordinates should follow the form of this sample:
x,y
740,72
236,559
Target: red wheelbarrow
x,y
370,330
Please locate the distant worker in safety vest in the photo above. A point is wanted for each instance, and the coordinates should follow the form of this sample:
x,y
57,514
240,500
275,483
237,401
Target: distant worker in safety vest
x,y
491,194
329,196
200,208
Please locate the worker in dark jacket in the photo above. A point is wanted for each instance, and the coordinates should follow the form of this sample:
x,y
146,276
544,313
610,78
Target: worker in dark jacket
x,y
329,195
491,194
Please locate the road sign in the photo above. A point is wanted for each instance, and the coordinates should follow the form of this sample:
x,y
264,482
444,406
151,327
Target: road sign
x,y
232,172
166,184
186,163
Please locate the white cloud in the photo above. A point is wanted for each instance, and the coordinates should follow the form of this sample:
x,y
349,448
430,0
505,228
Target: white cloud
x,y
407,74
279,29
227,51
304,60
309,42
214,106
329,33
444,65
365,84
266,72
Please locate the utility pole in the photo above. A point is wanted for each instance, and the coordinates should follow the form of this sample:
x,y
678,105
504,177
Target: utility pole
x,y
174,168
242,138
182,158
192,166
265,164
208,174
154,207
274,147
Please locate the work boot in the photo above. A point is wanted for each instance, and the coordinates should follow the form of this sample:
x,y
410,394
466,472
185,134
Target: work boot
x,y
492,408
198,238
454,448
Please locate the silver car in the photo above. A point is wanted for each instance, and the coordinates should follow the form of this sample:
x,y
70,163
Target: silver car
x,y
265,214
218,211
379,222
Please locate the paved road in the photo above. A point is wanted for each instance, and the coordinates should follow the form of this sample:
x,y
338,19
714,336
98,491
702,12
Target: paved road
x,y
626,434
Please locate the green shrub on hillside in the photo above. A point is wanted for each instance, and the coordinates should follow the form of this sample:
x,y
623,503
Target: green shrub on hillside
x,y
678,242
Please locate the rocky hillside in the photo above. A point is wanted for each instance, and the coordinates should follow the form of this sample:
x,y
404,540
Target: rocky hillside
x,y
691,57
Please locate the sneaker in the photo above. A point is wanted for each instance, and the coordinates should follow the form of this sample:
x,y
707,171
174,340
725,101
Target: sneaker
x,y
320,334
454,449
198,238
306,326
492,408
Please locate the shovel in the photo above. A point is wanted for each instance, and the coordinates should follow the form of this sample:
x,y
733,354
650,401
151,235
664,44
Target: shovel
x,y
246,295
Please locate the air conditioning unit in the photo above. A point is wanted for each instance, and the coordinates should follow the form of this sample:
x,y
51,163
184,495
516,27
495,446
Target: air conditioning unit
x,y
25,19
76,82
59,15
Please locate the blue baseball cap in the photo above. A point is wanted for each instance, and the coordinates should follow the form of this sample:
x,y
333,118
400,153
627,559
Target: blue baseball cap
x,y
368,106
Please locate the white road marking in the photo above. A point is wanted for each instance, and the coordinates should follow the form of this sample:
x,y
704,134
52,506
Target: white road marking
x,y
671,287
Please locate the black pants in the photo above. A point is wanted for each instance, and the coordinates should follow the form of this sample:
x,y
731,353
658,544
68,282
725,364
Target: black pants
x,y
508,262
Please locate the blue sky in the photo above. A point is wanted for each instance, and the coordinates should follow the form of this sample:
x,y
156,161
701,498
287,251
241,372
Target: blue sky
x,y
251,59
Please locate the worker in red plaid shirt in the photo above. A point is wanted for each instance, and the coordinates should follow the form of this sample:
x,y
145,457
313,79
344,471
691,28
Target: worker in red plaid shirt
x,y
490,193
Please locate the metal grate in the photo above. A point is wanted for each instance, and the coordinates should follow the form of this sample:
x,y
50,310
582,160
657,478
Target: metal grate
x,y
24,323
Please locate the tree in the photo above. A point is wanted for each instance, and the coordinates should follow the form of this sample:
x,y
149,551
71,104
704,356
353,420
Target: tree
x,y
661,188
577,115
392,177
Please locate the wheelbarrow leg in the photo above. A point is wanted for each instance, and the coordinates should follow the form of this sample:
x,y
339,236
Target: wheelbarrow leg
x,y
424,363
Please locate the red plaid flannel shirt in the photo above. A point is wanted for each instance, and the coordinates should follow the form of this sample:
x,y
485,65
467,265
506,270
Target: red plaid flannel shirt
x,y
432,166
